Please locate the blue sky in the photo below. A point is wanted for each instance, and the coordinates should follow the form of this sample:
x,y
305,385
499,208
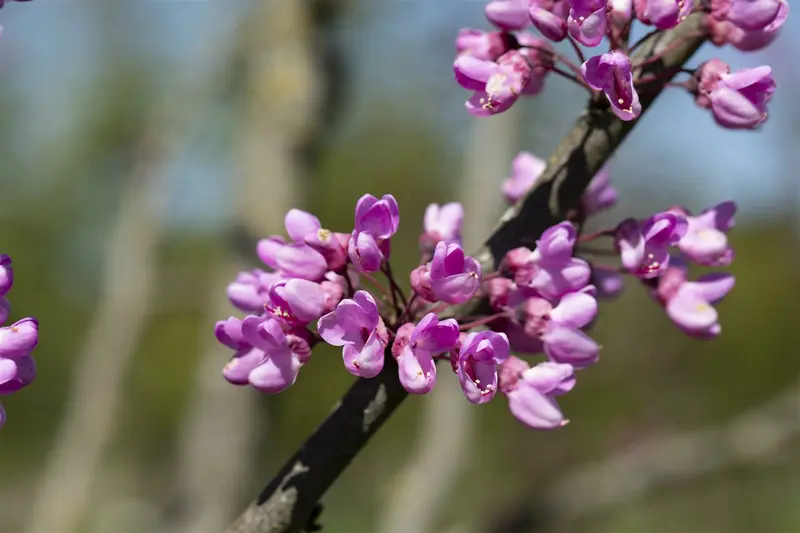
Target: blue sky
x,y
402,47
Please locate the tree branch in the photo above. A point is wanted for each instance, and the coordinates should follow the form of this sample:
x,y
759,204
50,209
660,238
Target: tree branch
x,y
288,501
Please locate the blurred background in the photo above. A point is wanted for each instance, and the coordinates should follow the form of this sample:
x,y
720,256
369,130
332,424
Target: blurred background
x,y
145,145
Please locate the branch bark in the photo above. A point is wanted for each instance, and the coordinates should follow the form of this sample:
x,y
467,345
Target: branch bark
x,y
288,501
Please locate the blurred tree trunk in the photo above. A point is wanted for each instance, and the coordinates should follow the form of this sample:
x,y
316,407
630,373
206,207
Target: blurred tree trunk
x,y
281,87
446,425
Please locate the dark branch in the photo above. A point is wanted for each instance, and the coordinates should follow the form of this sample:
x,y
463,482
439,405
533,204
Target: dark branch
x,y
288,501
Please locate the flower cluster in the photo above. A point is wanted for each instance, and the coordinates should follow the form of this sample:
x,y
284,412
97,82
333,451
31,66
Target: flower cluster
x,y
17,341
503,64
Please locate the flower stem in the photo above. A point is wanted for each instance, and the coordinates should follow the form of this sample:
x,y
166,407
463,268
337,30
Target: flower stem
x,y
596,235
577,49
387,270
378,285
483,321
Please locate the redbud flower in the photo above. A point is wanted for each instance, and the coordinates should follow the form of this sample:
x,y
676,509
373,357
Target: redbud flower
x,y
415,347
19,339
229,333
333,287
559,328
705,241
296,259
6,274
508,14
620,12
723,31
739,100
690,304
611,73
357,326
550,269
747,14
273,358
644,245
248,291
364,251
16,374
550,17
663,14
332,246
609,284
525,170
540,55
497,85
442,223
483,44
599,195
296,301
379,218
587,21
477,362
531,391
454,277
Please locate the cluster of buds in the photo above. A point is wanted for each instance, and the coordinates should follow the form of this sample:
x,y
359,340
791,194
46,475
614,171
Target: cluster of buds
x,y
17,341
503,64
542,301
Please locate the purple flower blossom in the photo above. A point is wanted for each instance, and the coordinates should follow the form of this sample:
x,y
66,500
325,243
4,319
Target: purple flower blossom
x,y
476,365
531,391
229,333
6,274
644,246
442,223
748,15
19,339
332,246
357,326
295,259
550,269
16,374
705,241
663,14
611,73
497,85
415,346
599,195
249,291
620,12
587,21
739,100
724,31
550,17
364,251
454,277
559,328
525,170
483,44
540,55
379,218
690,304
296,301
270,357
508,14
608,283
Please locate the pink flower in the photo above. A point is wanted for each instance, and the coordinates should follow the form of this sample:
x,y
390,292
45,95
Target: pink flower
x,y
739,100
442,223
497,85
644,245
476,365
690,304
508,14
249,291
6,274
295,259
531,391
587,21
724,31
705,241
611,73
415,346
296,301
357,326
269,358
453,276
550,17
663,14
483,44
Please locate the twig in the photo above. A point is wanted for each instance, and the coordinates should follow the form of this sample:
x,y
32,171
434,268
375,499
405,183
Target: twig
x,y
288,500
